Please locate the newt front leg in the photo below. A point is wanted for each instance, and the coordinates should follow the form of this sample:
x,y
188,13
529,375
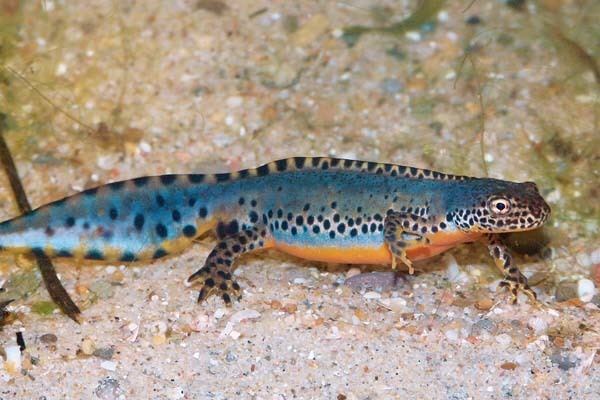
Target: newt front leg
x,y
402,230
513,280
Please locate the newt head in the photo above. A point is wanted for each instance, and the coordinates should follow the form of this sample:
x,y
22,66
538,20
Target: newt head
x,y
500,206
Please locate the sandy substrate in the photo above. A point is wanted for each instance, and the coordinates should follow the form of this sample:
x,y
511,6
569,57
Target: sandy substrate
x,y
191,86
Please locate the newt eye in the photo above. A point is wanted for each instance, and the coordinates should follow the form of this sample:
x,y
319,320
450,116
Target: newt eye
x,y
499,205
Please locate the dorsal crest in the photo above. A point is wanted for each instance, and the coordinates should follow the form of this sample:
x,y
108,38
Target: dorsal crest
x,y
329,163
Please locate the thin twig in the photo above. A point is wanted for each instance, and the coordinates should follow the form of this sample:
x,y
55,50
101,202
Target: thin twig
x,y
57,292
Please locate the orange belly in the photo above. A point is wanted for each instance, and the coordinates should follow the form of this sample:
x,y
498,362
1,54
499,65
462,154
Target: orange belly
x,y
376,255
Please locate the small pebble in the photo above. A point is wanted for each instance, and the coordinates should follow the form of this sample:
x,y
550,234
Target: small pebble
x,y
391,86
372,295
48,338
509,366
105,353
504,339
13,359
356,271
109,365
585,290
159,339
108,389
484,304
566,290
538,325
473,20
88,347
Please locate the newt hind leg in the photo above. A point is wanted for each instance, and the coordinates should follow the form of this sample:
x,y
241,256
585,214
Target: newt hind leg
x,y
215,276
513,280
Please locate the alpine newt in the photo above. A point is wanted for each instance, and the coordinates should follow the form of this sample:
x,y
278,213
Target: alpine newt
x,y
319,208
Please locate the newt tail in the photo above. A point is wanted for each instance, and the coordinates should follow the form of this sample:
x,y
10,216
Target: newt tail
x,y
325,209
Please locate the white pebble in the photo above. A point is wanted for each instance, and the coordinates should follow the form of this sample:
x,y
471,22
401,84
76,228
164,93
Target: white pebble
x,y
372,295
244,315
538,325
585,290
13,358
145,147
299,281
219,313
413,35
234,101
61,69
503,339
109,365
452,335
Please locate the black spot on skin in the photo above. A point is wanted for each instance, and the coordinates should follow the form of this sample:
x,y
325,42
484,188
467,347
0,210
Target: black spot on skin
x,y
138,221
176,215
306,207
341,228
195,178
224,177
316,161
365,228
244,173
387,167
142,181
189,231
168,179
299,162
262,170
86,225
331,234
94,254
253,203
241,201
90,192
294,230
113,213
281,165
373,227
49,231
325,165
336,218
233,228
350,222
253,217
265,220
159,253
326,224
127,257
203,212
335,162
192,202
279,213
290,216
371,165
116,186
299,220
316,229
310,220
284,225
69,222
161,230
160,200
443,225
236,248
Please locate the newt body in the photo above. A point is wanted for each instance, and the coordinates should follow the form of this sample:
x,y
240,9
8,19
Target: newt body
x,y
318,208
